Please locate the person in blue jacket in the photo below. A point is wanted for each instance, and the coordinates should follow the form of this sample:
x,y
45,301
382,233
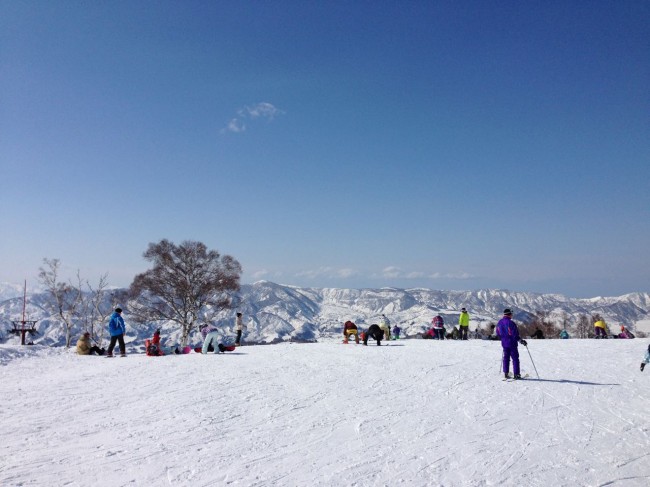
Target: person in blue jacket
x,y
509,334
116,329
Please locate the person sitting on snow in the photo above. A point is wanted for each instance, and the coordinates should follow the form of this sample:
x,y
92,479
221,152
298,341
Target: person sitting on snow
x,y
539,334
625,333
350,328
153,348
375,333
646,359
84,347
564,334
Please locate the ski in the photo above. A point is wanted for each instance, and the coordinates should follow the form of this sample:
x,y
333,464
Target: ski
x,y
512,379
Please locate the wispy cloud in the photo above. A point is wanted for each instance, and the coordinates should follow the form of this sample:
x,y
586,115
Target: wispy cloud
x,y
328,272
262,110
394,272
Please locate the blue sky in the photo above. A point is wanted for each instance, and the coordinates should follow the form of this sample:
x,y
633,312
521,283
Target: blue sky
x,y
438,144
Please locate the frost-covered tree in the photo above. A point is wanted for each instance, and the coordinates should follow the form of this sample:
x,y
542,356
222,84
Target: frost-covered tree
x,y
65,298
187,282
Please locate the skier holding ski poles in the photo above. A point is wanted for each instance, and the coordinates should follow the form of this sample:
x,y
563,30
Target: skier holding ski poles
x,y
508,332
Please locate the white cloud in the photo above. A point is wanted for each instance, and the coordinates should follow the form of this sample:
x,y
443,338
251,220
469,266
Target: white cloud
x,y
391,272
328,272
262,110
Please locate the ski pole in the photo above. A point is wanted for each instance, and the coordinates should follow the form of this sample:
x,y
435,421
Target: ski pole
x,y
501,363
531,359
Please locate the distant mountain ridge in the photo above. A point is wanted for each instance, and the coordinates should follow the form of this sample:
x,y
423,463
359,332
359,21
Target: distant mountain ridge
x,y
275,312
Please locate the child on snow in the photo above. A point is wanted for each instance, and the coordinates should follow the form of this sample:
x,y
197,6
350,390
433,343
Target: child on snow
x,y
646,359
152,346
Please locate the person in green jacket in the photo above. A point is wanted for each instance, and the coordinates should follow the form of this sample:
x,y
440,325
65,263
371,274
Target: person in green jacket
x,y
463,323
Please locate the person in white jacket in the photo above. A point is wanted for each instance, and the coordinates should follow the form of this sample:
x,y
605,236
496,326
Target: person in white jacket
x,y
384,324
239,327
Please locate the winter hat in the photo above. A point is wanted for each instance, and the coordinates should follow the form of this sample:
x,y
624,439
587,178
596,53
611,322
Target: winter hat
x,y
622,328
86,333
118,310
507,312
157,332
463,310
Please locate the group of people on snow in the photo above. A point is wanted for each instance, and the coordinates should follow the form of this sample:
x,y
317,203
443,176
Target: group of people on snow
x,y
117,330
600,330
378,332
439,332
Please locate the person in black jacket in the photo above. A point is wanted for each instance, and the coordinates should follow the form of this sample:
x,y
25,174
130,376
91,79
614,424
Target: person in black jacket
x,y
373,332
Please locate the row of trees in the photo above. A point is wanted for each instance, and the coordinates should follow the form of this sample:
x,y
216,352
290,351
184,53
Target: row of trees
x,y
186,283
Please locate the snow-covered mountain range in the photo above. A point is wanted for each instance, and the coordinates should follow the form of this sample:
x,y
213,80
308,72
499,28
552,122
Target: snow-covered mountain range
x,y
275,312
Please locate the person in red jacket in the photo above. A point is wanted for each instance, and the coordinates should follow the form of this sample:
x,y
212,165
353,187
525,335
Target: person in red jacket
x,y
153,347
350,328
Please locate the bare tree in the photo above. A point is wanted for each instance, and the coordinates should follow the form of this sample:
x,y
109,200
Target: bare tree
x,y
540,320
583,326
66,298
565,320
97,305
186,282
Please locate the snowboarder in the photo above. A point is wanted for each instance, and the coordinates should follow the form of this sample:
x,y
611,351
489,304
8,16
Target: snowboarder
x,y
385,326
396,331
564,335
349,328
374,332
600,328
117,329
438,327
239,326
463,323
210,341
509,334
646,359
205,330
84,347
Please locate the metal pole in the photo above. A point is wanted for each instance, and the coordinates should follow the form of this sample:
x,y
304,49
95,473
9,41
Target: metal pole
x,y
531,359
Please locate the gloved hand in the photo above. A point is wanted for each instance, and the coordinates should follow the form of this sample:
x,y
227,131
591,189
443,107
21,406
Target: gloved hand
x,y
524,343
642,366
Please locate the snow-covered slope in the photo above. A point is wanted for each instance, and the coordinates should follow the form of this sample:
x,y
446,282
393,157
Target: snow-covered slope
x,y
276,312
413,413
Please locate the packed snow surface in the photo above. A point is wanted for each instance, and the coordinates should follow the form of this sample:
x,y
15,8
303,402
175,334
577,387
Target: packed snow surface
x,y
411,412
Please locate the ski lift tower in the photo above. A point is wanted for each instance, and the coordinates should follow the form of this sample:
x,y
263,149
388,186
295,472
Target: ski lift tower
x,y
24,326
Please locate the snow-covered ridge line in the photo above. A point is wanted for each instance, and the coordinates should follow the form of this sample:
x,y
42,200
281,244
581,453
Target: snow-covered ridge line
x,y
276,312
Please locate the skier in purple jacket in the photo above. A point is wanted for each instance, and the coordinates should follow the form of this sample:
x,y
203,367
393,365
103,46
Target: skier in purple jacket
x,y
509,334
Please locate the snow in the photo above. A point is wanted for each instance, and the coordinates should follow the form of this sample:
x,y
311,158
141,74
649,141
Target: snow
x,y
414,412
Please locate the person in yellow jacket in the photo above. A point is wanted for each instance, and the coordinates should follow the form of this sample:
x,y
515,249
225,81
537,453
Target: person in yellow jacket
x,y
463,324
601,329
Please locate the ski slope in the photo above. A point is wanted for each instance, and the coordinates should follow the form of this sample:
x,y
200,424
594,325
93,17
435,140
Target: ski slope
x,y
414,412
